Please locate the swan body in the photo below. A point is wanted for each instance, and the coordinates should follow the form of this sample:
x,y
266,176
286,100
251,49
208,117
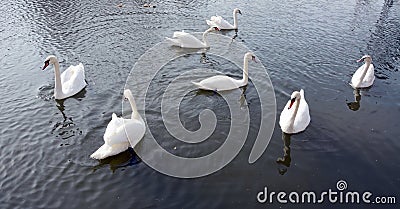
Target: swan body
x,y
121,133
223,82
186,40
218,21
68,83
364,76
295,117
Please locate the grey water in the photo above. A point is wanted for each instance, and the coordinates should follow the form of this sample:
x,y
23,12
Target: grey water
x,y
45,144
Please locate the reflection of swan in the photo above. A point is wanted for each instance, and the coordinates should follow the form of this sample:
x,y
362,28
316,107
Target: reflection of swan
x,y
223,82
294,120
70,82
121,133
186,40
286,159
364,76
357,98
121,160
219,22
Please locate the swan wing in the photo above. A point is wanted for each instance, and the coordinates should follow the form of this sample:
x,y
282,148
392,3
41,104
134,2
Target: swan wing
x,y
302,119
220,22
73,79
107,150
218,83
135,130
186,40
179,33
115,131
368,79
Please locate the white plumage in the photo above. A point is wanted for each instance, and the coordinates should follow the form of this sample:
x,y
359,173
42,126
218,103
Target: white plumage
x,y
364,76
70,82
121,133
223,82
295,117
186,40
221,23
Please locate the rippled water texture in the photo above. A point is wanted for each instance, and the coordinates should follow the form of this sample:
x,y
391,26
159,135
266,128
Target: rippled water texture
x,y
45,144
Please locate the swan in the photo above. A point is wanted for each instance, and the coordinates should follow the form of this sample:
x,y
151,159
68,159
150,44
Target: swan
x,y
186,40
70,82
222,24
364,76
223,82
121,133
294,120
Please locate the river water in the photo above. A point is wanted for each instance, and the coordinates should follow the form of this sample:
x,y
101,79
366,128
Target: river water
x,y
45,144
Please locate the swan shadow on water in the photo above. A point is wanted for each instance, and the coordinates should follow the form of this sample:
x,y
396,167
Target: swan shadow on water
x,y
355,105
119,161
63,127
285,159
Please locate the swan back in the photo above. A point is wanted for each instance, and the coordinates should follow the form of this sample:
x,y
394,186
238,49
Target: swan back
x,y
73,80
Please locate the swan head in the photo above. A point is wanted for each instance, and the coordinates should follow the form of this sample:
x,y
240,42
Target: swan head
x,y
127,93
237,11
250,56
365,58
295,96
49,60
213,28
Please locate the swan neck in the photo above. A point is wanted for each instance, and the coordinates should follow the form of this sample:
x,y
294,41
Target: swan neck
x,y
367,64
135,113
245,71
57,74
235,24
294,113
205,42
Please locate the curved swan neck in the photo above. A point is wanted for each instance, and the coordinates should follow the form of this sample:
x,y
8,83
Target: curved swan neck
x,y
135,113
57,74
245,70
295,112
367,64
235,16
205,42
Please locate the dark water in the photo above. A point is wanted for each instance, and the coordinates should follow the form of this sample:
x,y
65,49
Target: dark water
x,y
45,145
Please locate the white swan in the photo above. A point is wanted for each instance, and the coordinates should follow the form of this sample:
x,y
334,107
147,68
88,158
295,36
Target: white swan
x,y
121,133
70,82
223,82
294,120
222,24
364,76
186,40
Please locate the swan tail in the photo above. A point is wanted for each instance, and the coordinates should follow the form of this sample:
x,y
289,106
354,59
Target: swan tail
x,y
114,116
106,151
210,23
196,84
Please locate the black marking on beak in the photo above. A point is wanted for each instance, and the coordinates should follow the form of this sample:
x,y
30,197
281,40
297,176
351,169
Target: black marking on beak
x,y
292,102
46,63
